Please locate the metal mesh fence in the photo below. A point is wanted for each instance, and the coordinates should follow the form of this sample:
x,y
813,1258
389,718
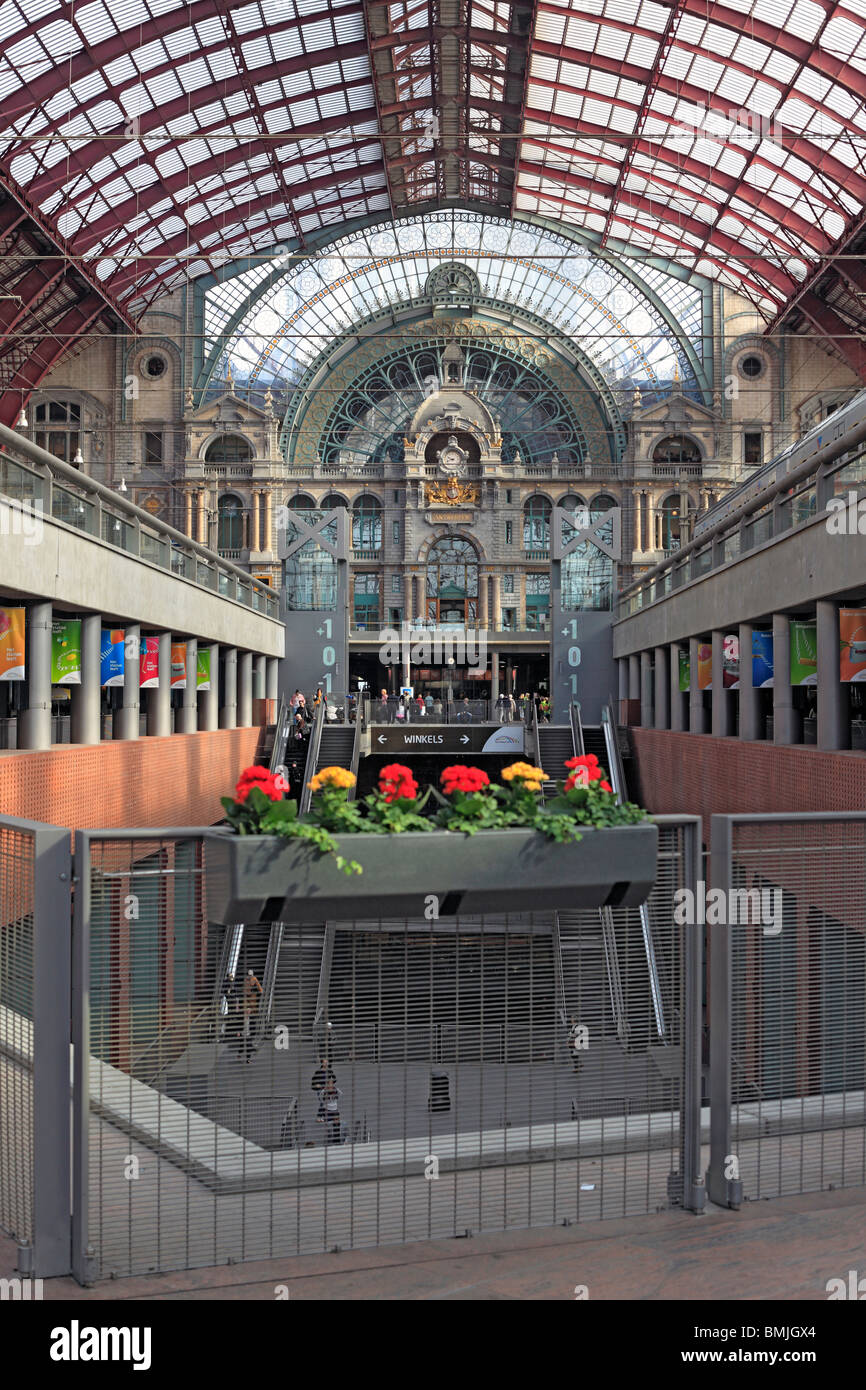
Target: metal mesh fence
x,y
796,892
17,857
276,1089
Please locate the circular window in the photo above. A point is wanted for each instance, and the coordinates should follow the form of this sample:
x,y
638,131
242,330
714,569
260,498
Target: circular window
x,y
752,366
155,366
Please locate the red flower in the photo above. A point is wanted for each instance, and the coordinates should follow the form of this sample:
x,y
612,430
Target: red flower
x,y
606,787
463,779
272,785
589,761
396,782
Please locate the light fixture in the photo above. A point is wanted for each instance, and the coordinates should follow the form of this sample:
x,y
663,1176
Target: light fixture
x,y
21,422
122,487
79,457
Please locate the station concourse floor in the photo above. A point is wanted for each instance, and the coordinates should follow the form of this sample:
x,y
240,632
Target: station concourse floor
x,y
785,1249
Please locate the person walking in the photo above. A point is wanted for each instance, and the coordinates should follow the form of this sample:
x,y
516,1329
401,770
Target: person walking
x,y
512,708
393,702
428,704
329,1108
502,708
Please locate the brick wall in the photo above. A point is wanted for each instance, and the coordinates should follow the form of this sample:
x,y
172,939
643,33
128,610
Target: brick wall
x,y
170,781
701,775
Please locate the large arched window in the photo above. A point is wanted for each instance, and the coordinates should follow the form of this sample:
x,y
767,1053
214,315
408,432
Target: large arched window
x,y
366,527
601,504
572,502
676,449
332,500
536,523
672,522
229,448
230,531
452,583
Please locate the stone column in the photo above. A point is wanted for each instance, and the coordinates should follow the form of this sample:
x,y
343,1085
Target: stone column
x,y
159,696
188,713
662,689
255,539
188,514
229,692
127,717
245,690
697,717
273,678
494,676
622,678
482,598
750,700
209,717
833,694
496,617
202,518
409,615
86,698
721,713
268,543
785,719
34,723
646,691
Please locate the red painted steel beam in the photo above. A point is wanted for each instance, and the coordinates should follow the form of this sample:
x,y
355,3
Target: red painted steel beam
x,y
45,354
836,331
30,288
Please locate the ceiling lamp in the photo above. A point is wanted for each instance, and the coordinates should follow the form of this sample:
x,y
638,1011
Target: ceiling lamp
x,y
21,422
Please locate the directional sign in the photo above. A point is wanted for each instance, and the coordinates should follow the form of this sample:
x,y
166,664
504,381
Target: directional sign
x,y
449,739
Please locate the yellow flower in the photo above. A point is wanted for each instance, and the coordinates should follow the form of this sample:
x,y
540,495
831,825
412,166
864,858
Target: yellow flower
x,y
531,776
337,777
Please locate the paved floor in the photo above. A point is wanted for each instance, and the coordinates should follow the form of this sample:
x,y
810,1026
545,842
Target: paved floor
x,y
785,1249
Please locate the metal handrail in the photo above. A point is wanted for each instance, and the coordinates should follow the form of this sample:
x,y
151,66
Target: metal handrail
x,y
576,730
118,503
281,733
306,796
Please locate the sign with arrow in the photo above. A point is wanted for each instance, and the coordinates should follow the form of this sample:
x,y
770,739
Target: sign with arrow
x,y
448,739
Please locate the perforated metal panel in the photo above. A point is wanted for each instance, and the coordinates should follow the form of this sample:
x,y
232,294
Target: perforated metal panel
x,y
17,860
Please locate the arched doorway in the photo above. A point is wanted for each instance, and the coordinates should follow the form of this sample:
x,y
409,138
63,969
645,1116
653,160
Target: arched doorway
x,y
452,583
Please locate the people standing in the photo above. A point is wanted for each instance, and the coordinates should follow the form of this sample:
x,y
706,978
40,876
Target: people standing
x,y
393,703
502,708
321,1076
329,1107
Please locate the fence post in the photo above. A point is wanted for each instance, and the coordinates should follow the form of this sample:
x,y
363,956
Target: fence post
x,y
724,1187
52,933
694,1192
83,1263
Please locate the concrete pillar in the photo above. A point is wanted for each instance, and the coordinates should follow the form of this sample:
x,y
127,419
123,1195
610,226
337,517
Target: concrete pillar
x,y
721,713
229,692
273,685
127,717
259,665
646,691
494,675
634,678
697,719
750,700
255,542
662,689
209,708
34,724
188,712
86,698
675,696
159,696
833,694
245,690
785,719
622,678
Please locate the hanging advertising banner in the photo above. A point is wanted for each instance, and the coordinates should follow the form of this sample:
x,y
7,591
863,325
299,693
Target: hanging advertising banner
x,y
762,660
705,666
852,644
202,669
178,665
804,653
111,658
66,651
731,661
148,671
12,643
685,673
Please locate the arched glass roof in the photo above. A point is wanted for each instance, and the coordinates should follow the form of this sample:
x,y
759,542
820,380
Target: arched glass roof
x,y
272,324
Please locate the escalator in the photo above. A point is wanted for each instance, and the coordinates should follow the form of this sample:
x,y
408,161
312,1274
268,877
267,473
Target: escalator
x,y
331,745
555,744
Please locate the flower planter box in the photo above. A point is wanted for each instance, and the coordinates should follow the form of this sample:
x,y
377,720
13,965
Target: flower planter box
x,y
261,878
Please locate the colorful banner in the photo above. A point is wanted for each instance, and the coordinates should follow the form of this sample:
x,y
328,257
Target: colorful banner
x,y
705,666
112,654
731,661
66,651
762,659
804,653
202,669
685,673
148,671
178,665
852,644
12,643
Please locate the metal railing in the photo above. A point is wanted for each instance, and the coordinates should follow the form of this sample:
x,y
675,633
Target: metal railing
x,y
30,475
313,746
